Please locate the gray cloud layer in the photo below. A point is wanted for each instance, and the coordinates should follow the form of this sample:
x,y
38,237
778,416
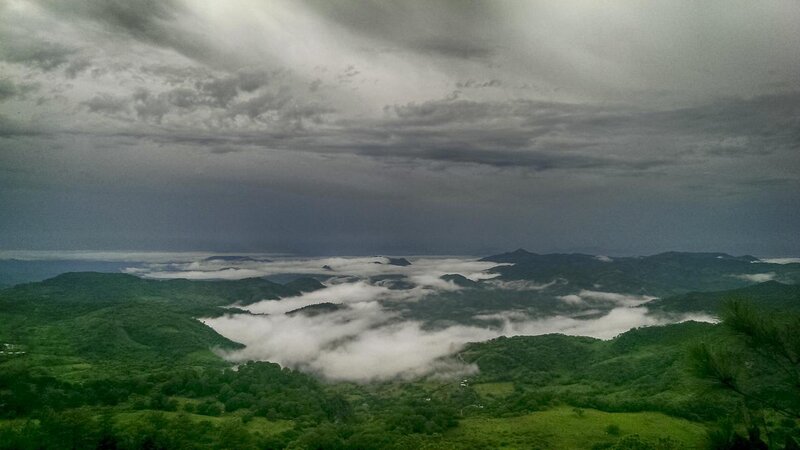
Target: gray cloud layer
x,y
319,126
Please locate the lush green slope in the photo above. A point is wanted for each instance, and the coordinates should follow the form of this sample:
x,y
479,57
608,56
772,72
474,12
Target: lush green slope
x,y
570,428
80,322
86,291
641,370
114,361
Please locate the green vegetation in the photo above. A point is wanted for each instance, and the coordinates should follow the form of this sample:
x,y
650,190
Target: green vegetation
x,y
76,324
760,365
113,361
562,428
641,370
494,390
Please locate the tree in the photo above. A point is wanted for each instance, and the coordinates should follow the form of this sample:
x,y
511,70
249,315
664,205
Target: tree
x,y
759,363
762,362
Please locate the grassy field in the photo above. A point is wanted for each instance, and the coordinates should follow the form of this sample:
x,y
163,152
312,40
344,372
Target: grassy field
x,y
255,425
496,390
569,428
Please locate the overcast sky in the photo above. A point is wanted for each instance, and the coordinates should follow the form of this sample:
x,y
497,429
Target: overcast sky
x,y
459,127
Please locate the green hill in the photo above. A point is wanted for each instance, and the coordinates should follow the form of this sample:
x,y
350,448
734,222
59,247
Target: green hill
x,y
90,360
77,322
769,295
640,370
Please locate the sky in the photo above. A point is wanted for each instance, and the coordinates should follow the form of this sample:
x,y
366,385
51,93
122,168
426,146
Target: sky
x,y
418,127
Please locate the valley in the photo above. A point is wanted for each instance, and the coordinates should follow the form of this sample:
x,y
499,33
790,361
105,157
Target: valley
x,y
516,350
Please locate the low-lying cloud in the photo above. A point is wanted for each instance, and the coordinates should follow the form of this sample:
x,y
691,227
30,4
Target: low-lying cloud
x,y
585,297
361,343
524,285
757,277
344,293
370,335
424,271
789,260
368,338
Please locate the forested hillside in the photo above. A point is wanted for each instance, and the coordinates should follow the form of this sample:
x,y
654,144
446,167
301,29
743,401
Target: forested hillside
x,y
115,361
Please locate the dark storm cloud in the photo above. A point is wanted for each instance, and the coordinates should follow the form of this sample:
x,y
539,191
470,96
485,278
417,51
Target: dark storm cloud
x,y
545,135
451,48
503,131
142,104
146,20
429,27
472,84
106,104
733,127
183,98
76,66
539,136
151,107
152,22
221,91
266,102
176,75
533,160
246,94
10,128
404,124
9,89
142,18
222,150
29,51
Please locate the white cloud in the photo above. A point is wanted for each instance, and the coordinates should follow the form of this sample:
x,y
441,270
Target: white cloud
x,y
503,316
349,293
585,296
424,271
524,285
571,299
365,342
619,299
221,274
616,321
780,260
399,349
756,277
297,340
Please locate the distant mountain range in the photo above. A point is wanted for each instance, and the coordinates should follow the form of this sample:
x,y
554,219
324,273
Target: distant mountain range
x,y
659,275
14,271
